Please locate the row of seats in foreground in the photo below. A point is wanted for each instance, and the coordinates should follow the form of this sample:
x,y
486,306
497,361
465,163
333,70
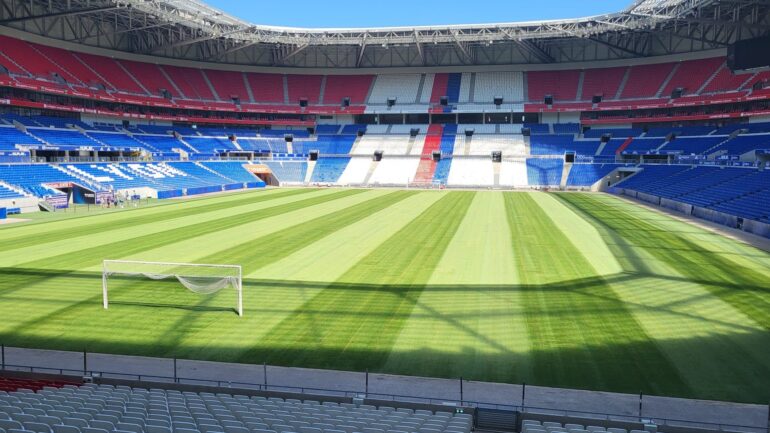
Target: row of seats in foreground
x,y
106,409
532,426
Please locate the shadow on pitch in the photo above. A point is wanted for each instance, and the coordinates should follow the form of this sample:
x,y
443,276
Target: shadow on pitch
x,y
197,308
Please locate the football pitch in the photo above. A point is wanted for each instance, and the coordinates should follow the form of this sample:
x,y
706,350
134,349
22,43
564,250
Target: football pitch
x,y
569,290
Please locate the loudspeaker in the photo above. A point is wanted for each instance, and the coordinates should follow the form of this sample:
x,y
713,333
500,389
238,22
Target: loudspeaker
x,y
391,102
414,132
444,101
526,132
378,155
469,132
498,100
288,137
314,155
548,100
677,93
303,102
569,157
497,156
436,155
346,102
596,99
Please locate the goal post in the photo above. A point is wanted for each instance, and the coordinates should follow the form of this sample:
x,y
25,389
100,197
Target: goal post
x,y
203,279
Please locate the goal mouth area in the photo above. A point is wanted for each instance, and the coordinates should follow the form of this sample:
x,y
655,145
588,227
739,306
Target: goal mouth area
x,y
200,279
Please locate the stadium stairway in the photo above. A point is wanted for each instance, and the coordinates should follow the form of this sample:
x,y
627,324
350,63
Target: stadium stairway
x,y
625,145
565,174
213,172
600,149
453,88
427,167
370,172
15,189
310,169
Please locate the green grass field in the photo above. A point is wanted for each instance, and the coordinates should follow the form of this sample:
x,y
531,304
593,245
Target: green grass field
x,y
569,290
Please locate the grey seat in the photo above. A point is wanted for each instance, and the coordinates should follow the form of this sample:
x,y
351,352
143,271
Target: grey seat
x,y
10,424
50,420
133,420
74,422
157,422
59,413
184,426
105,417
106,425
37,427
65,429
35,411
157,429
22,417
128,427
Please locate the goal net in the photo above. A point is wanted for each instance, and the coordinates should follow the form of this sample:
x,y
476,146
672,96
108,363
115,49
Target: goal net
x,y
198,278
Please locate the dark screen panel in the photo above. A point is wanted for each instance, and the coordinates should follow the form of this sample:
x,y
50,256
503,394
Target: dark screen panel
x,y
749,54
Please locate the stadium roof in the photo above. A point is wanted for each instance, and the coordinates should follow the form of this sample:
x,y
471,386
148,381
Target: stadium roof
x,y
193,30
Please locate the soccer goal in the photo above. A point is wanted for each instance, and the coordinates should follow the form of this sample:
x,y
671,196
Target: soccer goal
x,y
198,278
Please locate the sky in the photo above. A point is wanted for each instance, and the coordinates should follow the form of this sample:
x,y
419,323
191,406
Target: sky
x,y
395,13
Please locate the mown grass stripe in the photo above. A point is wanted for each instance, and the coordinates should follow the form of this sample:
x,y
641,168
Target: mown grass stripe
x,y
164,294
34,272
582,335
745,288
470,299
186,324
269,249
126,232
134,217
256,253
686,321
375,297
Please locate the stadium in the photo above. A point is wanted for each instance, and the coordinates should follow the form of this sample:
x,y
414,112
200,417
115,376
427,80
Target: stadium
x,y
214,226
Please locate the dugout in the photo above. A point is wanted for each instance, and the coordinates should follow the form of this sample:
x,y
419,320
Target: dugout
x,y
264,173
75,193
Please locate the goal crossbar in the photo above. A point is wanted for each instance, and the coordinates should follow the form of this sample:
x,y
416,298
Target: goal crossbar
x,y
221,277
